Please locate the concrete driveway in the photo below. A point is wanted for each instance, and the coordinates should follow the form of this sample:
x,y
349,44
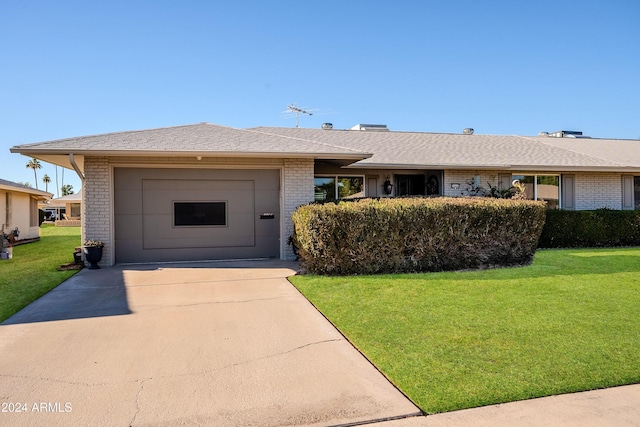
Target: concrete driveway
x,y
229,344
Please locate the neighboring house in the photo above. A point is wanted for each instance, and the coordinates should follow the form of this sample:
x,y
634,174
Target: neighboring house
x,y
205,191
19,209
66,207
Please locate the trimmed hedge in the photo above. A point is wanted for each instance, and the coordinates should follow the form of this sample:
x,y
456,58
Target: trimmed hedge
x,y
372,236
588,229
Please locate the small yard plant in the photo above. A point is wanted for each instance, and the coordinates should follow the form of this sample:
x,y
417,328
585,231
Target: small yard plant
x,y
566,323
33,270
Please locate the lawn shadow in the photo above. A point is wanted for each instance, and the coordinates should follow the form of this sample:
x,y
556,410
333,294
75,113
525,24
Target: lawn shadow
x,y
571,263
89,293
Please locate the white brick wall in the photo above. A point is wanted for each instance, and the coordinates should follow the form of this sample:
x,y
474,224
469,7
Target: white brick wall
x,y
96,215
298,190
598,190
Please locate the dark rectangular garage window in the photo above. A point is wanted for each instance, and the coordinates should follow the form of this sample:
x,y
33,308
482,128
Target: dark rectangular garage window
x,y
199,213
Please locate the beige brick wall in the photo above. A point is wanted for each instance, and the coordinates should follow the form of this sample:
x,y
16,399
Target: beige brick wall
x,y
298,190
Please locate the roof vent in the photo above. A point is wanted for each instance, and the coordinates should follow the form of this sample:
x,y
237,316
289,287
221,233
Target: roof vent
x,y
566,134
467,131
370,127
327,126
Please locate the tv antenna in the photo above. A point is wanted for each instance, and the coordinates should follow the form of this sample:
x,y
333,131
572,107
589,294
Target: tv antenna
x,y
293,109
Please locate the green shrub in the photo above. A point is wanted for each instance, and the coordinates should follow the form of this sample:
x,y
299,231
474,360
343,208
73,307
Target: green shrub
x,y
416,234
596,228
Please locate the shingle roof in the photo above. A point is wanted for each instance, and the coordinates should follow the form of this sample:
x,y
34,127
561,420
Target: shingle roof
x,y
421,149
367,149
14,186
201,138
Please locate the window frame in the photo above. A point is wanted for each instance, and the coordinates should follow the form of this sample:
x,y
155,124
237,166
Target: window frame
x,y
535,183
336,190
225,203
33,212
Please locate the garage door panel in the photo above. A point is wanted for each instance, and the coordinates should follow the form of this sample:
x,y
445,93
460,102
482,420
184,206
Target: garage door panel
x,y
182,184
160,234
128,202
201,242
129,227
267,201
144,211
159,197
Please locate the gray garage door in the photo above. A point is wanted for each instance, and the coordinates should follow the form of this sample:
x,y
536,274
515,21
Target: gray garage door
x,y
196,214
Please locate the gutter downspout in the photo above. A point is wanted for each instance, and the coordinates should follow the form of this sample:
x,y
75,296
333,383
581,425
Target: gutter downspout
x,y
76,168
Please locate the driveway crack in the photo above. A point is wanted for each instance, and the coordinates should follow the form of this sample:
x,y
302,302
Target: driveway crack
x,y
133,420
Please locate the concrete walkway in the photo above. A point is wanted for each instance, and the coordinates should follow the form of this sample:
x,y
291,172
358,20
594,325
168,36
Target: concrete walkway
x,y
224,344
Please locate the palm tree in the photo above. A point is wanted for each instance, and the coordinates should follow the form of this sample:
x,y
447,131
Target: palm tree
x,y
67,189
46,181
34,164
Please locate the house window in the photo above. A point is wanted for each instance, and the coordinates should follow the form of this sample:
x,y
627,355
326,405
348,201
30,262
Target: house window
x,y
544,188
75,210
193,214
636,192
33,213
7,216
332,188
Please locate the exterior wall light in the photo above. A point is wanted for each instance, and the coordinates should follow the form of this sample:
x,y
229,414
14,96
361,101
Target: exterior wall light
x,y
388,187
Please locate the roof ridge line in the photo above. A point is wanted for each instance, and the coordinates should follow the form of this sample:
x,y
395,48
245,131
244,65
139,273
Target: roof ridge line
x,y
308,140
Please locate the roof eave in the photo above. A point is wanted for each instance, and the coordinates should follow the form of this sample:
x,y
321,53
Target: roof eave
x,y
165,153
523,167
33,192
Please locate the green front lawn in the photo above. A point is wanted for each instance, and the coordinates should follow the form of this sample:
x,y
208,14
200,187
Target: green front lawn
x,y
32,271
569,322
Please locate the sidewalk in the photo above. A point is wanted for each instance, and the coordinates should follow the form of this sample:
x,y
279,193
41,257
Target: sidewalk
x,y
612,407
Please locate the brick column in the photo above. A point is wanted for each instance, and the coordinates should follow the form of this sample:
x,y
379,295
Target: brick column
x,y
298,190
96,208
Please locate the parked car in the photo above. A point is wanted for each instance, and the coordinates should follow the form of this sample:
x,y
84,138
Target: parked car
x,y
50,215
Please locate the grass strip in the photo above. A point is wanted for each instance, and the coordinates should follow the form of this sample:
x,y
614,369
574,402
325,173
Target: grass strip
x,y
33,270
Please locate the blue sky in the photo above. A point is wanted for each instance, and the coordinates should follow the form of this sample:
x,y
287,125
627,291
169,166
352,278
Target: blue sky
x,y
72,68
